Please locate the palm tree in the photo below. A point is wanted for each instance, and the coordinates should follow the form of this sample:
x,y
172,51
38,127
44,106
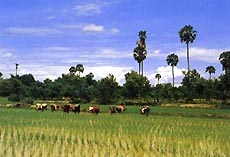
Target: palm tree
x,y
16,64
140,52
187,35
80,68
211,70
172,60
158,77
72,70
225,61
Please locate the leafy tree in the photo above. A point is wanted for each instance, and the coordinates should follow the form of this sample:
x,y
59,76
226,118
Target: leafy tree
x,y
189,82
166,91
211,70
224,79
158,77
225,88
108,90
225,61
187,35
172,60
1,74
14,89
27,79
136,85
90,80
140,52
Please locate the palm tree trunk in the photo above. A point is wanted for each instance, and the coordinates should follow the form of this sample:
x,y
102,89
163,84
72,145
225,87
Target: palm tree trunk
x,y
188,63
173,75
139,68
142,67
188,58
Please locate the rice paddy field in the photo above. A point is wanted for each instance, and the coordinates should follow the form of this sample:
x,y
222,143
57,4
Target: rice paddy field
x,y
165,132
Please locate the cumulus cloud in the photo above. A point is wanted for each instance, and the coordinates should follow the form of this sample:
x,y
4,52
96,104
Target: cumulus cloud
x,y
53,72
103,71
93,28
201,54
40,73
166,74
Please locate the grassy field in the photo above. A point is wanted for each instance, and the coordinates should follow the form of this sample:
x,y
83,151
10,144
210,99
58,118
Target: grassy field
x,y
165,132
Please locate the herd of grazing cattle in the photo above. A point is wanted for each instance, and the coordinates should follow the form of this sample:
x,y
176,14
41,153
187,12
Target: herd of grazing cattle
x,y
145,110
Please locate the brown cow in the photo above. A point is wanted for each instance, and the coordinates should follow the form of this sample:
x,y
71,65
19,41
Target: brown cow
x,y
69,107
94,109
55,107
117,109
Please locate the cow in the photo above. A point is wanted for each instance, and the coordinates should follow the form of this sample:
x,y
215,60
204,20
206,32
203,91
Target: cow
x,y
69,107
145,110
94,109
66,108
117,109
75,108
55,107
41,107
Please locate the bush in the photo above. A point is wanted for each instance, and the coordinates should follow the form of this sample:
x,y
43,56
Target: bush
x,y
14,98
29,101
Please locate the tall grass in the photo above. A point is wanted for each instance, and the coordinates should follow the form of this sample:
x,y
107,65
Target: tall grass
x,y
25,132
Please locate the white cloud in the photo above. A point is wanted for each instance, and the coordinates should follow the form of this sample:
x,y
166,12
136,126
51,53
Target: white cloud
x,y
5,53
53,72
115,30
201,54
58,48
88,9
108,53
70,26
93,28
103,71
52,17
42,71
155,53
166,74
32,31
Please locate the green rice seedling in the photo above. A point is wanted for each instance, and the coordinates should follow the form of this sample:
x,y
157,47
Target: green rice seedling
x,y
33,133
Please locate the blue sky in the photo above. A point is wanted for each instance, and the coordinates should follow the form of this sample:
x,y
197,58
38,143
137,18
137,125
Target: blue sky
x,y
47,37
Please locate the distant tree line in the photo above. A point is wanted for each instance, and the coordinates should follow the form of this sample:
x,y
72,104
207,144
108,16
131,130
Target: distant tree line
x,y
85,89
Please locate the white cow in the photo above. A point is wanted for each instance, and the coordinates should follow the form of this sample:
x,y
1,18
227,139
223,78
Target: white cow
x,y
41,107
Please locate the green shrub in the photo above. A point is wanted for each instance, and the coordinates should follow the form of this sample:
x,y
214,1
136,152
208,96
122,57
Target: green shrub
x,y
29,101
14,98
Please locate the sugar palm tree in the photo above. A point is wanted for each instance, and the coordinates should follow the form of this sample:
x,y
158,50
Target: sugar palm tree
x,y
72,70
225,61
80,68
211,70
187,35
140,52
172,60
158,77
16,65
